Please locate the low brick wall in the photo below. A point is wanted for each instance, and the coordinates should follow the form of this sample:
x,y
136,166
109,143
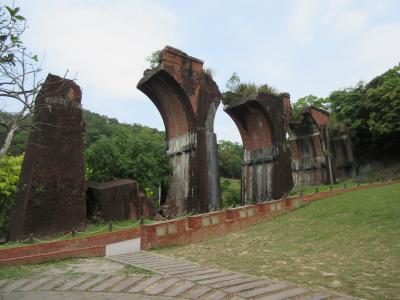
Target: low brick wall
x,y
179,231
201,227
84,246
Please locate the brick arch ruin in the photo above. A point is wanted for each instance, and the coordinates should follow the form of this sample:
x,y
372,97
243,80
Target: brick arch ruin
x,y
187,99
262,120
310,142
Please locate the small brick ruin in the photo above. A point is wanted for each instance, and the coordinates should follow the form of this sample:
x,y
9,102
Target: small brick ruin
x,y
319,153
262,120
50,197
116,200
187,99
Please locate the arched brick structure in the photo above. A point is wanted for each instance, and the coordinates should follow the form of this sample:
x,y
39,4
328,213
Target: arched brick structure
x,y
262,120
310,142
187,99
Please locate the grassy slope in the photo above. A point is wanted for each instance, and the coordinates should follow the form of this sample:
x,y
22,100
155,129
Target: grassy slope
x,y
350,242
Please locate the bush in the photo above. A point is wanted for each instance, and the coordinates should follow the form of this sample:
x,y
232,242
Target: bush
x,y
10,168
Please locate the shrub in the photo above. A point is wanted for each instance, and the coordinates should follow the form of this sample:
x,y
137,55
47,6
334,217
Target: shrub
x,y
10,168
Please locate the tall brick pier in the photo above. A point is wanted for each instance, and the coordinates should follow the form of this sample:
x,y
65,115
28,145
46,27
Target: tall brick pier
x,y
187,99
50,197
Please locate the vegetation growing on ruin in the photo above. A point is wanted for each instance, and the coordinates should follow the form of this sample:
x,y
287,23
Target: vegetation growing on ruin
x,y
349,242
154,59
238,91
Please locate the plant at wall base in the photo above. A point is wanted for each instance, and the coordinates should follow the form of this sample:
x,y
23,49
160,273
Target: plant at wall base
x,y
10,168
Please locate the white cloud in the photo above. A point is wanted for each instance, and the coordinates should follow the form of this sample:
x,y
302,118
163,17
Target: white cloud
x,y
301,21
310,19
377,50
105,41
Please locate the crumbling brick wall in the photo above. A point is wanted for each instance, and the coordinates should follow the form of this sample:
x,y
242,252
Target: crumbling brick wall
x,y
343,152
187,99
310,140
118,199
262,121
50,197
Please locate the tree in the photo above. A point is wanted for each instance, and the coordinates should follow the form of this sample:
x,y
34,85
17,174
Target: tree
x,y
308,101
372,110
10,168
18,74
230,159
139,156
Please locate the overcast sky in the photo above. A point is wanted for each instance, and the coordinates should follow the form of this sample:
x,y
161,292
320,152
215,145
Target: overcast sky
x,y
302,47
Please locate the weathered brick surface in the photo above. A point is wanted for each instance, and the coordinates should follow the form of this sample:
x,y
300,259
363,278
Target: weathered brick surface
x,y
310,142
187,99
89,246
262,121
116,200
50,197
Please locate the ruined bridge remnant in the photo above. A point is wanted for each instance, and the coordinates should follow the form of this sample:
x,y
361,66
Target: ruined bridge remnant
x,y
50,197
187,99
262,120
310,141
343,152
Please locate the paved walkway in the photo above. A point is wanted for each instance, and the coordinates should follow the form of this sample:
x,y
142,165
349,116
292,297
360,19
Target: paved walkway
x,y
176,279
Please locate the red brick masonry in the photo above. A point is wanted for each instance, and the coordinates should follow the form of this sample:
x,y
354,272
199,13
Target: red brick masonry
x,y
179,231
77,247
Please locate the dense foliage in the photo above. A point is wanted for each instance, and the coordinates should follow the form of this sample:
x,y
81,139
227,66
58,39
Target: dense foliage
x,y
10,167
116,150
230,159
308,101
373,112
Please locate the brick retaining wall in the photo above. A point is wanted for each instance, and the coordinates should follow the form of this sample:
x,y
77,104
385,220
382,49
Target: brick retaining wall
x,y
187,230
204,226
84,246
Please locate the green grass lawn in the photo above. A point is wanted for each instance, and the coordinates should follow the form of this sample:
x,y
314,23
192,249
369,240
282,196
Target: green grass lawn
x,y
349,183
71,266
349,243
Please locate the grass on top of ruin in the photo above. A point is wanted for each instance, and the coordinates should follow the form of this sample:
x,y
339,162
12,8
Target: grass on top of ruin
x,y
349,243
